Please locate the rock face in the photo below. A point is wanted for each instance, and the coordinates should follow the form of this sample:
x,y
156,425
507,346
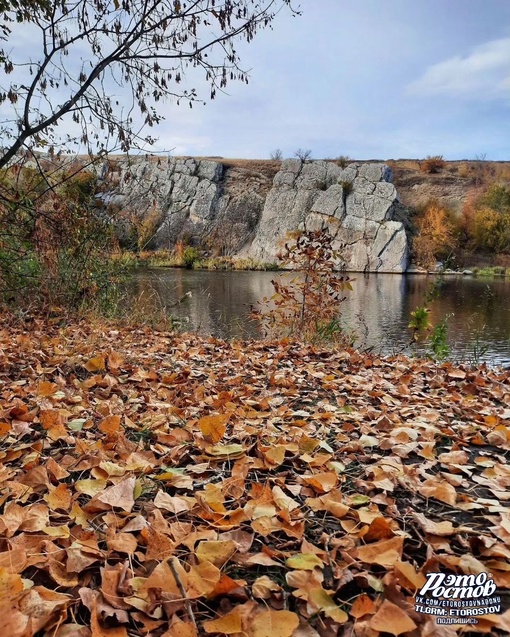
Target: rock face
x,y
234,211
359,205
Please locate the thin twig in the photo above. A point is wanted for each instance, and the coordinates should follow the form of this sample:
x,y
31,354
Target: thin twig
x,y
182,591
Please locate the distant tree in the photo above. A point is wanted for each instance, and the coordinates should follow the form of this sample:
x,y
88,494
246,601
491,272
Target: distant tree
x,y
277,154
84,50
303,154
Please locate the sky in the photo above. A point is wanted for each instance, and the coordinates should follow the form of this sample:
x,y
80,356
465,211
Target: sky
x,y
367,79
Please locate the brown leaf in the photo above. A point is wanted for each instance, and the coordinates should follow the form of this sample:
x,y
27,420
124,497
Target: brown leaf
x,y
384,553
120,495
390,618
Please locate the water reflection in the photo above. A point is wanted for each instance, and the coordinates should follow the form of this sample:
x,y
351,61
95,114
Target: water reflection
x,y
378,308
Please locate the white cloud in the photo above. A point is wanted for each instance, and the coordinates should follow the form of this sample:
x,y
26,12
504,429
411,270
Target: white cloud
x,y
483,74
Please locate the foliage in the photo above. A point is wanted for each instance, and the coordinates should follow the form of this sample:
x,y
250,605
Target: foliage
x,y
55,244
485,219
307,305
420,321
343,161
491,230
304,154
432,164
146,46
497,198
277,154
181,486
436,234
190,256
438,341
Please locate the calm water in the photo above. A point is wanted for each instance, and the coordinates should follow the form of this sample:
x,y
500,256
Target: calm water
x,y
378,308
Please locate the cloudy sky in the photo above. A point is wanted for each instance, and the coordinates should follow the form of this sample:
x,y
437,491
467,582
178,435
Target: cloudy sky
x,y
364,78
369,79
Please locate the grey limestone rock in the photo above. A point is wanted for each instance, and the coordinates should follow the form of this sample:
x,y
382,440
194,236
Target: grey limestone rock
x,y
313,195
235,211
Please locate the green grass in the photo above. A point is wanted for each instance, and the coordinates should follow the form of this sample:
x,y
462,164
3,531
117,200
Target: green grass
x,y
168,259
492,271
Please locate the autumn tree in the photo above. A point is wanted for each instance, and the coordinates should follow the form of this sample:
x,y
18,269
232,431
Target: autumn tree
x,y
92,75
85,52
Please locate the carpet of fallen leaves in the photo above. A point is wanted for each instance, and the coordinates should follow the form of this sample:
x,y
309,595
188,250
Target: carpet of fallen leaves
x,y
174,486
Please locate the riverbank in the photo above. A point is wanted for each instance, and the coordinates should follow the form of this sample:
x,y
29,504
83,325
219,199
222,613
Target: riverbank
x,y
195,260
185,485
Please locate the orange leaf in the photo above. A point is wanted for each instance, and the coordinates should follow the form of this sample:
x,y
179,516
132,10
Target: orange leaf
x,y
407,571
50,418
390,618
363,605
46,388
10,586
95,364
109,425
213,427
178,628
229,624
99,631
59,498
322,482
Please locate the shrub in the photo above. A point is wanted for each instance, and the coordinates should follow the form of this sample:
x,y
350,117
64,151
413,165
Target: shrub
x,y
190,256
491,230
308,305
433,164
436,234
277,154
497,197
343,161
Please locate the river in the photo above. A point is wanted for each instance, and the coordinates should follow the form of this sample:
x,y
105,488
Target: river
x,y
378,308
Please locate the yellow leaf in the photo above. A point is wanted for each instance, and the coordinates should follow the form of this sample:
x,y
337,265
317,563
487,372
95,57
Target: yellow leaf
x,y
10,586
318,599
213,427
202,579
226,451
274,623
90,487
215,551
304,562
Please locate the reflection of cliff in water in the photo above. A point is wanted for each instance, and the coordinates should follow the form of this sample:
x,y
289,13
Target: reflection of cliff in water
x,y
378,309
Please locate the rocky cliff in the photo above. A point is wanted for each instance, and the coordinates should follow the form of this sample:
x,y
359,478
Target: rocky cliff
x,y
239,209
